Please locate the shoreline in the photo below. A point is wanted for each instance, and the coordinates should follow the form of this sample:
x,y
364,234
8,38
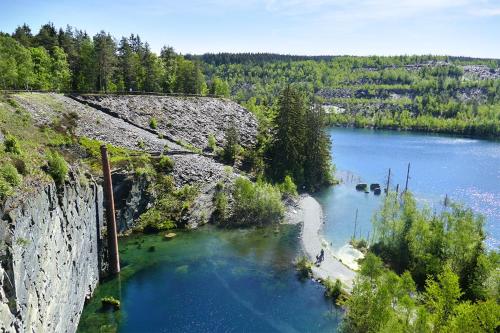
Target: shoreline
x,y
310,214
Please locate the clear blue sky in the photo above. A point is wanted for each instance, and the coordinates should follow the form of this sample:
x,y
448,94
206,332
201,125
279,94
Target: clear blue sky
x,y
309,27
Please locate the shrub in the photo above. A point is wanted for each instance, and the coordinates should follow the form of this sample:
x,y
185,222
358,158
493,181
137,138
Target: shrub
x,y
153,123
166,164
9,173
256,203
153,221
333,290
5,189
288,187
231,138
169,207
109,302
57,167
12,145
304,267
212,145
221,203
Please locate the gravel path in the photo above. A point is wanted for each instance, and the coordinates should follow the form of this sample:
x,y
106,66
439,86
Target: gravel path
x,y
312,242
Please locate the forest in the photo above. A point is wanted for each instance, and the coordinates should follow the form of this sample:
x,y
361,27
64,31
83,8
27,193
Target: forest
x,y
456,95
425,271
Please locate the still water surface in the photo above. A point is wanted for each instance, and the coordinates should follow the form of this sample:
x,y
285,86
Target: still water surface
x,y
467,170
212,281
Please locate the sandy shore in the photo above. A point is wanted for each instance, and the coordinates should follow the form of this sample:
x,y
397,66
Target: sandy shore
x,y
310,212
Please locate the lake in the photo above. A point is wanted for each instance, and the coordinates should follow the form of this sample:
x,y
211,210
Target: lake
x,y
212,280
467,170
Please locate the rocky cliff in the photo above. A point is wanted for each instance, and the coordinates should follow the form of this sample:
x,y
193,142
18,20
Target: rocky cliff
x,y
50,255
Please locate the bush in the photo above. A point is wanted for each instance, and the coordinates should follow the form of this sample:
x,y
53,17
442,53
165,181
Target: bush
x,y
5,189
166,164
288,187
230,151
110,302
169,207
153,123
333,290
221,203
304,267
212,145
12,145
153,221
256,203
57,167
9,173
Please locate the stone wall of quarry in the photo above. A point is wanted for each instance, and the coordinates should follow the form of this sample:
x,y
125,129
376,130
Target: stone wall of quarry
x,y
50,254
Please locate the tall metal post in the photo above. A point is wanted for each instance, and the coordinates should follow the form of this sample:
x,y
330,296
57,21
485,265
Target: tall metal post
x,y
113,255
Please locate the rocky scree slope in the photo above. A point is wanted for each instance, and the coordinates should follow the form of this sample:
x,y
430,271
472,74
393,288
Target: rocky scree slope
x,y
115,120
181,119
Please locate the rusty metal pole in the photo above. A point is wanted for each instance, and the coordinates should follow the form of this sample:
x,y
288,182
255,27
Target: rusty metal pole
x,y
113,255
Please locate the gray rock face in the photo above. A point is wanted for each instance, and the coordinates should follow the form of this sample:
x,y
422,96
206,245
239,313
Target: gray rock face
x,y
132,198
50,257
183,119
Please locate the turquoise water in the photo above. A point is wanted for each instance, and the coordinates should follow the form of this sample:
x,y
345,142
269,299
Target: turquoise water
x,y
467,170
212,281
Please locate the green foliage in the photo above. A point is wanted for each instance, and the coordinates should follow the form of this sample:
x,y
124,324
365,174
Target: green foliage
x,y
219,87
304,267
420,241
153,123
166,164
221,206
57,167
333,290
12,145
300,148
446,249
288,187
255,204
168,209
5,189
211,144
110,302
9,173
230,149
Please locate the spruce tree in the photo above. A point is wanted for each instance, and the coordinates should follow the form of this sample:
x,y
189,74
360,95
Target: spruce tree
x,y
317,165
287,149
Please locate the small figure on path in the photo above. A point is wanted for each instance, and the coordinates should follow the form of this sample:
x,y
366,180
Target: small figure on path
x,y
320,257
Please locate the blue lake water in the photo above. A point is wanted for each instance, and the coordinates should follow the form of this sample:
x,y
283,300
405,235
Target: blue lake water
x,y
212,281
467,170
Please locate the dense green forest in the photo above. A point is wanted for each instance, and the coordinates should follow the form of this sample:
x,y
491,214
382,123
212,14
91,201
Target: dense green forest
x,y
71,60
425,272
428,93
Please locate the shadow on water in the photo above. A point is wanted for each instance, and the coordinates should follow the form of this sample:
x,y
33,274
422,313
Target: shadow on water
x,y
211,280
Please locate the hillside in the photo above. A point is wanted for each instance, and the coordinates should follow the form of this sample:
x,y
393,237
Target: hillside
x,y
427,93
